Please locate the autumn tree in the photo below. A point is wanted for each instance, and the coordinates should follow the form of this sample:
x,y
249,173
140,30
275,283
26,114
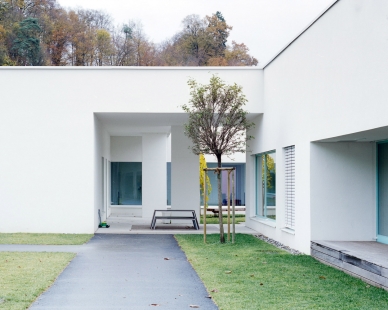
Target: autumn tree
x,y
83,37
58,36
238,55
217,124
218,31
104,47
203,42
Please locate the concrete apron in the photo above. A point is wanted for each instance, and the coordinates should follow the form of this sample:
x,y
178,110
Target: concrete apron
x,y
133,225
124,272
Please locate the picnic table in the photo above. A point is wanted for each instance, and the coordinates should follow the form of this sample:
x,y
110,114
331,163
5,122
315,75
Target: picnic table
x,y
192,217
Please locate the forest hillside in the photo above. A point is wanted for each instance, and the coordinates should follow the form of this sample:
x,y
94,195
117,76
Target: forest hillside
x,y
42,33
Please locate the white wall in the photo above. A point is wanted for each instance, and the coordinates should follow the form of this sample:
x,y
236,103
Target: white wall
x,y
184,173
51,144
46,161
332,79
330,82
154,173
123,89
126,149
343,191
102,151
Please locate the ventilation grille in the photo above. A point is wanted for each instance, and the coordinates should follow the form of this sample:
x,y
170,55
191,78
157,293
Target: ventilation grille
x,y
290,186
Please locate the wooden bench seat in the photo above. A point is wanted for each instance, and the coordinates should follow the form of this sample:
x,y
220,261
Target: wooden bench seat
x,y
216,210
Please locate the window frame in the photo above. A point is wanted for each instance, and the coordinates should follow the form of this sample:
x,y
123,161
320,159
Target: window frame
x,y
259,173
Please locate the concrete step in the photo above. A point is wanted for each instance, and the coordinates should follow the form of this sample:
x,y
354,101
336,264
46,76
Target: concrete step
x,y
351,258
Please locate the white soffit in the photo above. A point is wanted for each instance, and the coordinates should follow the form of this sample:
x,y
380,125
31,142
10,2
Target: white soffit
x,y
372,135
128,124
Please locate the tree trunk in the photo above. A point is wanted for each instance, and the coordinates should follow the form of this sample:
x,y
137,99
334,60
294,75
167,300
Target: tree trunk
x,y
222,237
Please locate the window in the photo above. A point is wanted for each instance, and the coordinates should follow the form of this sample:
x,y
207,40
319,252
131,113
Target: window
x,y
266,185
126,183
289,160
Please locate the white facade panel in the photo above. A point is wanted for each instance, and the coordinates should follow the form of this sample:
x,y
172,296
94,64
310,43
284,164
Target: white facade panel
x,y
328,83
184,173
154,174
126,149
101,172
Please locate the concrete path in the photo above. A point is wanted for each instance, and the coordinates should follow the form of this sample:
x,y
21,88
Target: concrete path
x,y
132,225
124,272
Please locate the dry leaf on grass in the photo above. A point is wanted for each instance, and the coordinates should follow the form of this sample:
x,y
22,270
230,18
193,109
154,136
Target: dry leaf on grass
x,y
228,272
214,290
322,277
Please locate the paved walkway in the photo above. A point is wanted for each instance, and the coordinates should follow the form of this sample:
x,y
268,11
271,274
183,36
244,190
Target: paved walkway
x,y
133,225
124,272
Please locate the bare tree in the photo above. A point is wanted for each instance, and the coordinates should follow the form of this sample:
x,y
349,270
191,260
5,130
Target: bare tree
x,y
217,124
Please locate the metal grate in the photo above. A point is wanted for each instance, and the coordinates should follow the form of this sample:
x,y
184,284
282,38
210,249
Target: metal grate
x,y
289,159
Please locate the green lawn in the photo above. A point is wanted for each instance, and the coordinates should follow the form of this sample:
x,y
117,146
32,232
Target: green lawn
x,y
252,274
44,239
210,219
24,276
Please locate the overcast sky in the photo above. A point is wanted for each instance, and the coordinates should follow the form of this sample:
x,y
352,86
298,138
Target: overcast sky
x,y
265,26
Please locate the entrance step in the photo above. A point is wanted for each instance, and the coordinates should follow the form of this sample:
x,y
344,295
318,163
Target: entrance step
x,y
365,260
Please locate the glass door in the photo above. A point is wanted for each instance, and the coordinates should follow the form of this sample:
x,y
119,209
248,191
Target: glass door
x,y
382,195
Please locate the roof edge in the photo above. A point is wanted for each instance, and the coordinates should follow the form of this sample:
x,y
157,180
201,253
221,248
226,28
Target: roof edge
x,y
303,31
124,68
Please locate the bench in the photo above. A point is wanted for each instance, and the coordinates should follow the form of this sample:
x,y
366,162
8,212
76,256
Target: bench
x,y
216,211
191,217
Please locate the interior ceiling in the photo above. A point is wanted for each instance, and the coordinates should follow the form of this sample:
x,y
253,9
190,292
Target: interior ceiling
x,y
377,134
127,124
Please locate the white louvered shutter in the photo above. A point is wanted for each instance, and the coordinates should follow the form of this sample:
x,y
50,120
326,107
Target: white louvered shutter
x,y
290,186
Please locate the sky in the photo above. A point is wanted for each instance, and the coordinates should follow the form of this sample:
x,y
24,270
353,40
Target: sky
x,y
265,26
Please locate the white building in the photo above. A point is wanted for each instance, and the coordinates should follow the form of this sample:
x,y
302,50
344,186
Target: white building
x,y
325,95
61,128
321,114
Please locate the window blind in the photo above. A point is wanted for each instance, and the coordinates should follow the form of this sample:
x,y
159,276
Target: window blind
x,y
289,153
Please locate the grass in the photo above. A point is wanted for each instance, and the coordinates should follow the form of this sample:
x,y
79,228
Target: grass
x,y
252,274
210,219
24,276
44,239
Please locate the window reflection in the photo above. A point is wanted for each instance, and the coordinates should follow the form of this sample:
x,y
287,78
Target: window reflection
x,y
126,183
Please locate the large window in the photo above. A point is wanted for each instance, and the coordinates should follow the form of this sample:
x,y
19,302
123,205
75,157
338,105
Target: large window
x,y
266,185
126,183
